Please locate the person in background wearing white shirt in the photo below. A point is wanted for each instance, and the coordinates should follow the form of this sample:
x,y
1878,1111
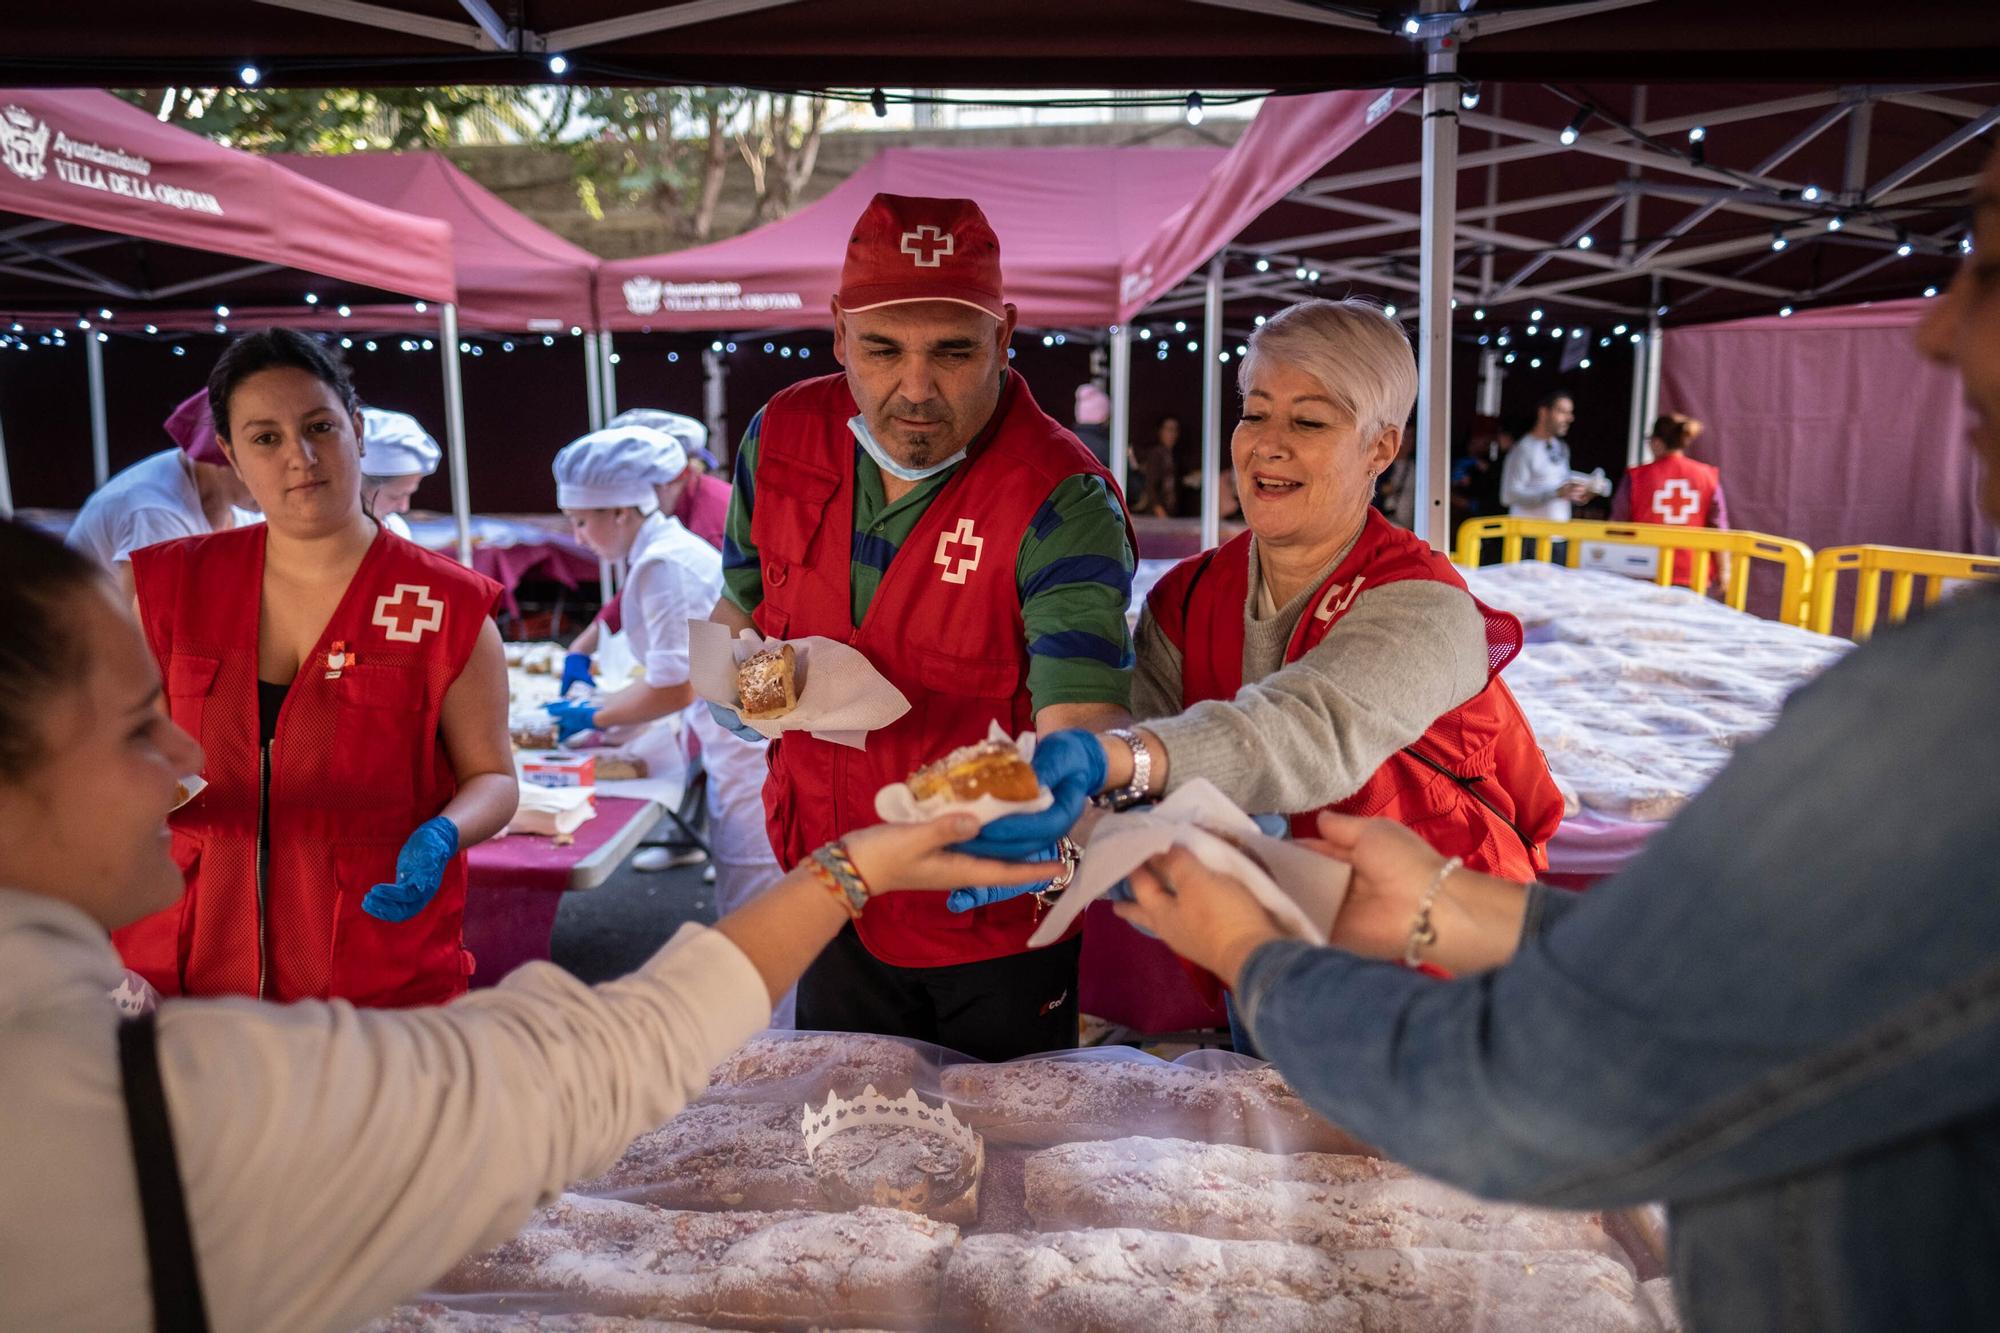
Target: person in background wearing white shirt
x,y
1536,482
606,483
180,492
311,1164
396,455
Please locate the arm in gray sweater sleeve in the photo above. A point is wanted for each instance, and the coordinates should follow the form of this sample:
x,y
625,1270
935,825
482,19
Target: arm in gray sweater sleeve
x,y
1313,732
1156,680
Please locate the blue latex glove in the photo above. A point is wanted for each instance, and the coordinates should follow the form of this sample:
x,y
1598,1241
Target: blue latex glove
x,y
728,720
420,869
572,716
1071,765
576,671
964,900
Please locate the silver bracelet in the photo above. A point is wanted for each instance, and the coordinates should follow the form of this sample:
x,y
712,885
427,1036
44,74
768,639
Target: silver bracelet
x,y
1141,785
1422,933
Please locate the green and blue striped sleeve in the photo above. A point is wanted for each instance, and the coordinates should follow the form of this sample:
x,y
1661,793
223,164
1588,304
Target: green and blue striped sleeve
x,y
1075,578
742,574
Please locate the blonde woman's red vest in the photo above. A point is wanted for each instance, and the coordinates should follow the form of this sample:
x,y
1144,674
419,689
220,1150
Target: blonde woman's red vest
x,y
944,627
358,762
1475,784
1676,490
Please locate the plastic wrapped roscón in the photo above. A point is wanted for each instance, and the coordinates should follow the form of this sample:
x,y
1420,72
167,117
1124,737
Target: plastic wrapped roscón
x,y
834,1181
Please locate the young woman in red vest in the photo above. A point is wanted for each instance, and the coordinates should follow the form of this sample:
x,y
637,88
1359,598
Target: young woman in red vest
x,y
348,690
1675,489
1325,659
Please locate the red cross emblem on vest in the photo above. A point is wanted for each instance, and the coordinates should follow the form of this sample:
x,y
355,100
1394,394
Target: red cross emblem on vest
x,y
927,245
1676,501
958,551
408,613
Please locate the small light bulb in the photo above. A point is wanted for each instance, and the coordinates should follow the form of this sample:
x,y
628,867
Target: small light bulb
x,y
249,76
1194,112
1585,241
1811,194
1263,266
1585,363
559,64
1535,315
1698,134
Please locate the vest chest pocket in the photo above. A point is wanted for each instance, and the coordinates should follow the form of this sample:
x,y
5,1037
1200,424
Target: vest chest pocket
x,y
791,505
961,696
190,680
377,715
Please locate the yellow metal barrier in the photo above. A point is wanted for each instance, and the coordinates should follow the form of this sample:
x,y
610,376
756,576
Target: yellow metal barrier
x,y
1904,567
1793,559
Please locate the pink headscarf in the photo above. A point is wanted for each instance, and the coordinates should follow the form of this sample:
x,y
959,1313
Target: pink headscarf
x,y
192,427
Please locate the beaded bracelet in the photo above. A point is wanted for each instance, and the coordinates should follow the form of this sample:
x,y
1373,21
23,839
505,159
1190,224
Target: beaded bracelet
x,y
836,870
1422,933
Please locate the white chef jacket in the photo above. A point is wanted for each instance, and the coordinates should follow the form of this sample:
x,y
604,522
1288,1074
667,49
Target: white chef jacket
x,y
155,500
398,525
1537,467
674,577
335,1160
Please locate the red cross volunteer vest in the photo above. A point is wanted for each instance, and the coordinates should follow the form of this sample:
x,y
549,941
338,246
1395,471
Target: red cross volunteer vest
x,y
944,627
1676,490
1474,785
357,763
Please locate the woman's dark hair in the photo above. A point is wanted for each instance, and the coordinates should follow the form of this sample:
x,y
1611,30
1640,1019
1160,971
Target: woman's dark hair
x,y
275,349
1165,417
41,654
1675,431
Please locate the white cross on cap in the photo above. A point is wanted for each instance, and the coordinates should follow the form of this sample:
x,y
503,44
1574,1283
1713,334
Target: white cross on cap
x,y
927,245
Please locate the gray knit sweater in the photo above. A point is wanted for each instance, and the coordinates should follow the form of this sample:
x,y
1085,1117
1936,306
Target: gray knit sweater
x,y
1308,734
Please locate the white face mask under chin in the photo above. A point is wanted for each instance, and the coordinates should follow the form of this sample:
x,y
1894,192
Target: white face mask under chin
x,y
866,439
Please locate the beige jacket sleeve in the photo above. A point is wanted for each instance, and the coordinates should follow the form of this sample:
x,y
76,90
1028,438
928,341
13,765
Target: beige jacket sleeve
x,y
340,1159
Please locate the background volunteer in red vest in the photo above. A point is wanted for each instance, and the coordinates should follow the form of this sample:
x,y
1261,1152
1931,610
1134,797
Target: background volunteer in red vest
x,y
349,691
686,491
398,453
329,1163
921,507
179,492
605,483
1325,659
1676,489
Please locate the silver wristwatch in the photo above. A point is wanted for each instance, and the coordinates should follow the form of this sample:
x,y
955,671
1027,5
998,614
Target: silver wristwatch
x,y
1141,786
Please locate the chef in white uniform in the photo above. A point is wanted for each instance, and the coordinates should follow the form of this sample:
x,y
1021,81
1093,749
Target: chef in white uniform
x,y
396,455
605,485
180,492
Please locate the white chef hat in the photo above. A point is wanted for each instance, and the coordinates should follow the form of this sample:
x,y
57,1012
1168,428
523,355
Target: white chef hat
x,y
394,445
611,468
689,436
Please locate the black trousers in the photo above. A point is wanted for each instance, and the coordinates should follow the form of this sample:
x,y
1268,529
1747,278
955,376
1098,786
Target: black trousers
x,y
998,1009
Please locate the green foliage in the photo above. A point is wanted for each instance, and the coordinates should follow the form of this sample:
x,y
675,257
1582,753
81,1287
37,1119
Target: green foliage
x,y
341,120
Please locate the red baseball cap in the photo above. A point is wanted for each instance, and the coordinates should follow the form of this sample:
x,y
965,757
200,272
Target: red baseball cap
x,y
908,249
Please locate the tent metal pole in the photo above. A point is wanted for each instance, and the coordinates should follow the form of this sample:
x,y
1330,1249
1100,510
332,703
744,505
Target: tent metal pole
x,y
608,368
6,480
1211,409
715,405
1121,405
100,442
593,388
454,430
1435,268
1635,437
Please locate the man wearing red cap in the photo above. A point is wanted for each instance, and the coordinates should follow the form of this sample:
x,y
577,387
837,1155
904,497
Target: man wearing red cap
x,y
922,508
179,492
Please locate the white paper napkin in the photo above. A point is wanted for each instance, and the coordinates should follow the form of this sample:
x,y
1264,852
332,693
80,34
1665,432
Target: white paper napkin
x,y
1300,888
897,804
842,697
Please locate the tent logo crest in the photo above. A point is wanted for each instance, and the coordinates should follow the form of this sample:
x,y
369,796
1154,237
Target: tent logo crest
x,y
24,141
642,294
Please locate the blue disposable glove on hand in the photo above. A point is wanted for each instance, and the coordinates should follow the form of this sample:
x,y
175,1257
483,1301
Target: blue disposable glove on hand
x,y
729,721
1071,764
420,868
964,900
576,671
572,716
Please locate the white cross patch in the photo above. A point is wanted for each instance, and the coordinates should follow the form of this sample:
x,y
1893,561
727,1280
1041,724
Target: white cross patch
x,y
1338,599
1676,501
408,613
956,567
927,245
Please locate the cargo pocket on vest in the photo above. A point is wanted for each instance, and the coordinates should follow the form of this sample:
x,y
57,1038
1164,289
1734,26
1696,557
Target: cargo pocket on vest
x,y
962,695
190,680
391,963
373,719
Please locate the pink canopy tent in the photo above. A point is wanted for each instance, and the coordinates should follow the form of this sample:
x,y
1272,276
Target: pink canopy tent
x,y
1067,218
1831,428
105,210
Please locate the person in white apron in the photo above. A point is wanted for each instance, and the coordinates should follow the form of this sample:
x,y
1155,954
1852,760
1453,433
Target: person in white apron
x,y
604,484
396,455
